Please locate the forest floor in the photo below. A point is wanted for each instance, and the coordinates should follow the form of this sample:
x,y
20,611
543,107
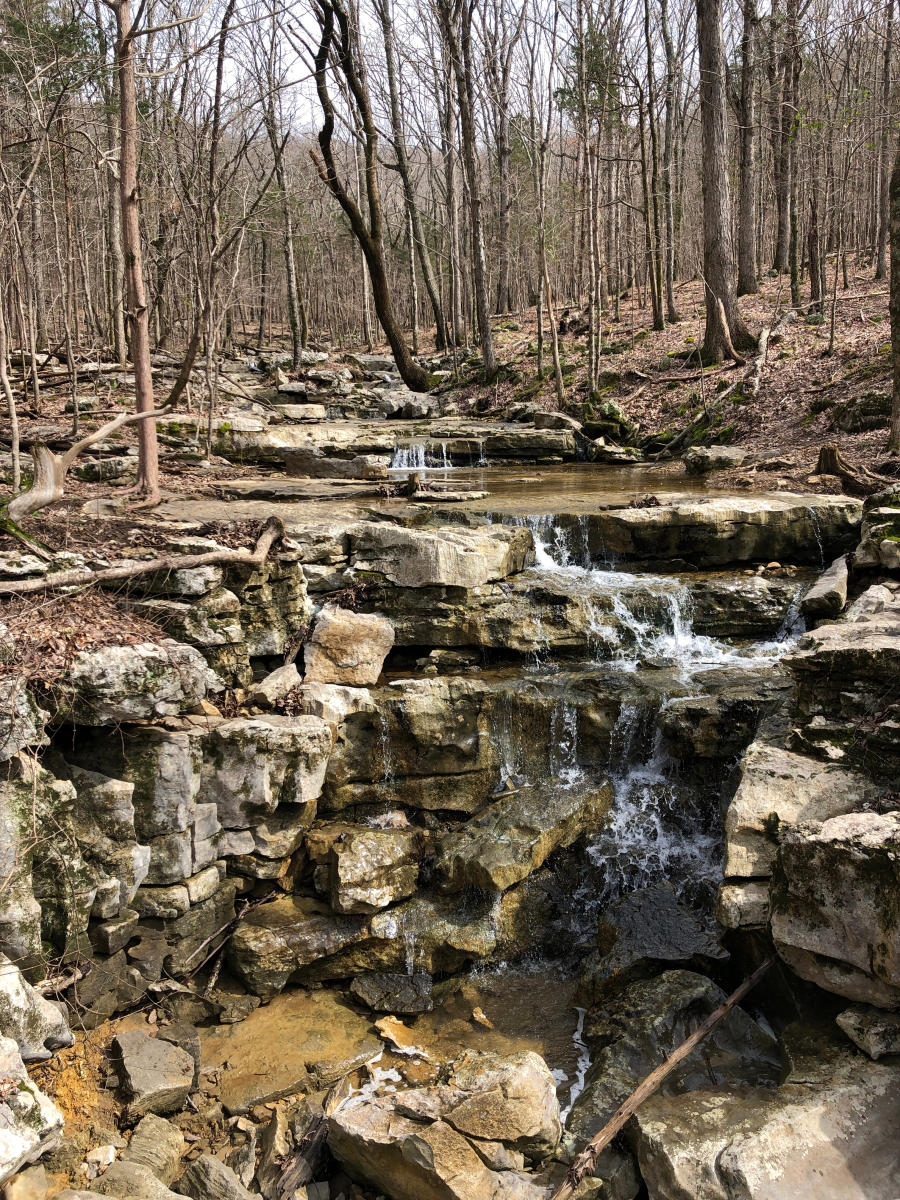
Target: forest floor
x,y
649,374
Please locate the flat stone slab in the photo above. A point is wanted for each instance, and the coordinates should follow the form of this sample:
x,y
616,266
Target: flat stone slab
x,y
301,1042
156,1076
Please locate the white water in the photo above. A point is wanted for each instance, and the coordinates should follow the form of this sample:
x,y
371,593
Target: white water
x,y
582,1068
421,456
666,634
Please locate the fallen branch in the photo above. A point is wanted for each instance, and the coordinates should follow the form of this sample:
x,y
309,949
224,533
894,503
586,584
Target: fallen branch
x,y
50,469
271,532
585,1162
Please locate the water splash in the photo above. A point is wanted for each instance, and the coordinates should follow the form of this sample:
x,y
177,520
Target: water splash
x,y
582,1067
564,766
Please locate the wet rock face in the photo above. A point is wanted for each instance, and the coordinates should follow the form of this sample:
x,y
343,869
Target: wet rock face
x,y
347,648
630,1034
30,1124
512,837
835,901
369,869
828,1131
387,992
644,932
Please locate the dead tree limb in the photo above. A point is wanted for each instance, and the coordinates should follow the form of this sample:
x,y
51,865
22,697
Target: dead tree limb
x,y
586,1160
50,469
271,532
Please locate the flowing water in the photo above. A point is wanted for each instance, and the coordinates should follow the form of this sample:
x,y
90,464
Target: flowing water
x,y
421,456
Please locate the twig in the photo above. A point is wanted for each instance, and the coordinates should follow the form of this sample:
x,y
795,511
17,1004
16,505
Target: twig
x,y
585,1162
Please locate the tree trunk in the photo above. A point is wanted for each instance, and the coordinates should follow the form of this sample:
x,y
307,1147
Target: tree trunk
x,y
747,283
884,198
129,199
724,328
894,196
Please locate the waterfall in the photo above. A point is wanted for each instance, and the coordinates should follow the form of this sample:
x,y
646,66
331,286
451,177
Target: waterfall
x,y
421,456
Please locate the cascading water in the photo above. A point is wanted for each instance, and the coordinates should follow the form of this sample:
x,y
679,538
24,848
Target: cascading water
x,y
421,456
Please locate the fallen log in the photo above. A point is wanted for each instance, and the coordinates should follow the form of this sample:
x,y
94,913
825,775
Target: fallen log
x,y
585,1162
271,532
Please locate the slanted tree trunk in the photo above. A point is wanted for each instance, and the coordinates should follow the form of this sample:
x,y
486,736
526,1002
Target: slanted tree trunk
x,y
343,41
725,332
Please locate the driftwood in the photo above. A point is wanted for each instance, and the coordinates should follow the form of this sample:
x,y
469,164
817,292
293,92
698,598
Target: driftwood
x,y
856,481
50,469
300,1166
271,532
585,1162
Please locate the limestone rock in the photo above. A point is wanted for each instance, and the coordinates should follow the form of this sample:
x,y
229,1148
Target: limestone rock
x,y
21,720
508,1098
828,595
30,1123
644,931
251,765
134,683
875,1032
452,556
37,1026
313,464
275,686
828,1133
156,1076
835,896
741,904
301,1042
332,702
133,1181
157,1145
206,1178
701,460
512,837
411,1161
387,992
369,869
718,531
347,648
633,1032
778,790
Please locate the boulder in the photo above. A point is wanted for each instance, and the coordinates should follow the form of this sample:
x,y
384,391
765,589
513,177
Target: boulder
x,y
835,896
276,685
701,460
645,931
451,557
313,464
301,1042
743,904
412,1145
719,531
828,595
858,414
388,992
155,1075
828,1133
879,544
206,1178
778,790
133,1181
140,682
253,765
368,869
347,647
30,1123
37,1026
158,1146
633,1032
513,837
21,720
331,701
875,1031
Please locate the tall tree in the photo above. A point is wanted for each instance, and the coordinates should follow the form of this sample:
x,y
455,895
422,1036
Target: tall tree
x,y
747,282
725,332
894,438
339,38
